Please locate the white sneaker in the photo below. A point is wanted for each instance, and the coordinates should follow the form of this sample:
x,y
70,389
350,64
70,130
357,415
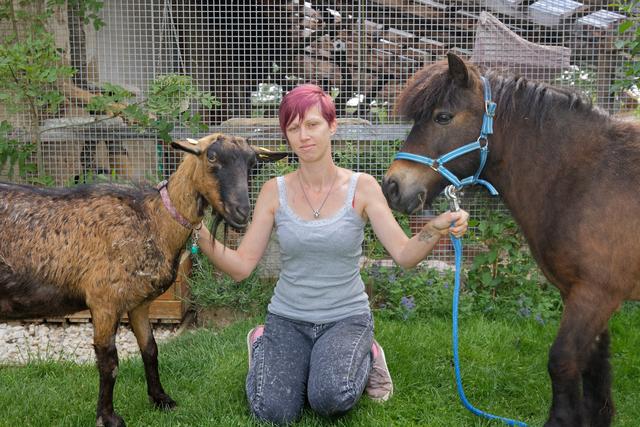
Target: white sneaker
x,y
379,386
252,336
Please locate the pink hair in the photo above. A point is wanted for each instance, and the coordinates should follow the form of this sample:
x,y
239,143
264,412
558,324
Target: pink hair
x,y
299,100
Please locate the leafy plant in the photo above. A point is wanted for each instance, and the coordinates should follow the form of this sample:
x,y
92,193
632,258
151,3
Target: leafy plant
x,y
406,294
31,66
506,275
14,153
168,103
629,41
32,70
210,288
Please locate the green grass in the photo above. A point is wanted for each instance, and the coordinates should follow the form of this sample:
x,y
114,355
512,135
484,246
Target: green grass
x,y
503,368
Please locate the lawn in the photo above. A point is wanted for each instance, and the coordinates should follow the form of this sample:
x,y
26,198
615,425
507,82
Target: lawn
x,y
503,367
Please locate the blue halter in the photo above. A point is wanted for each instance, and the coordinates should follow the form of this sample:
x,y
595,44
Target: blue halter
x,y
482,144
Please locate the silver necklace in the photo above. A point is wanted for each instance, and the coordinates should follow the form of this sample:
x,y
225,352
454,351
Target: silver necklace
x,y
316,212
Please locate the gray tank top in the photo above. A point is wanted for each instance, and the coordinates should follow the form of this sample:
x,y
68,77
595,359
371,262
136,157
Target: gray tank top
x,y
320,277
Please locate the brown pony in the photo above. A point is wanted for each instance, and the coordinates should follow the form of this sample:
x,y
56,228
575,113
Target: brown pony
x,y
570,175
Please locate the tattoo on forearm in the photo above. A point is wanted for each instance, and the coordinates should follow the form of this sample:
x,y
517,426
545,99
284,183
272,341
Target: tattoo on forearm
x,y
426,235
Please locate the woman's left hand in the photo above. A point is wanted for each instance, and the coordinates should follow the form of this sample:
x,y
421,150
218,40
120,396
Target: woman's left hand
x,y
455,223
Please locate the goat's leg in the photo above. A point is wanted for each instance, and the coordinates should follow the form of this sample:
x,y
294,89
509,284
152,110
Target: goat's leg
x,y
139,318
585,316
596,384
105,326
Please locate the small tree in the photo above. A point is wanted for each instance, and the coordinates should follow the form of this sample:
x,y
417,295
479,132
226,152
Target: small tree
x,y
32,69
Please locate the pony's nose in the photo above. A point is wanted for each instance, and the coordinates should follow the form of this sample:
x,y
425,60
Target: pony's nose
x,y
390,189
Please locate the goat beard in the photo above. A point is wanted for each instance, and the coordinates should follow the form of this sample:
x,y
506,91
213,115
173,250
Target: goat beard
x,y
217,220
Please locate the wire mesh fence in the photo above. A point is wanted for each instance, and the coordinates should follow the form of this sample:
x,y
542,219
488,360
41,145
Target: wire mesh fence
x,y
248,54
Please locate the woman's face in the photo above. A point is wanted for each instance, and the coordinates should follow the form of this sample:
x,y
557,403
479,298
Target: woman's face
x,y
310,136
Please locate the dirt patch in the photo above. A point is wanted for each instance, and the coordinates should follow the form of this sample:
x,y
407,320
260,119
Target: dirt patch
x,y
220,317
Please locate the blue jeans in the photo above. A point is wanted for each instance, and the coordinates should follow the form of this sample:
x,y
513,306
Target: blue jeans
x,y
293,362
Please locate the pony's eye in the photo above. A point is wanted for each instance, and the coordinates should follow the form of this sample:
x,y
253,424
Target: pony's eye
x,y
212,159
443,118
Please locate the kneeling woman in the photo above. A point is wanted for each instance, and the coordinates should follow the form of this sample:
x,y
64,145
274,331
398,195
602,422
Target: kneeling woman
x,y
317,343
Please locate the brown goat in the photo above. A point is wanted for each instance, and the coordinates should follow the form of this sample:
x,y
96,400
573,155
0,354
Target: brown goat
x,y
113,249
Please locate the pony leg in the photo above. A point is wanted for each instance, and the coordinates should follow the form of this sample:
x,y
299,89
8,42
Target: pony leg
x,y
596,383
105,326
584,318
139,319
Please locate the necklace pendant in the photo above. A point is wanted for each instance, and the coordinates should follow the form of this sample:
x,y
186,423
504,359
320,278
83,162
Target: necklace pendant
x,y
316,214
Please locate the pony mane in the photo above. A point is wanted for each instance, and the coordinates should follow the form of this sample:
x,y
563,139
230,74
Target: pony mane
x,y
516,96
513,93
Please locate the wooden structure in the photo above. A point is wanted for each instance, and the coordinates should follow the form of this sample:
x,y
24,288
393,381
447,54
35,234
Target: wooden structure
x,y
372,50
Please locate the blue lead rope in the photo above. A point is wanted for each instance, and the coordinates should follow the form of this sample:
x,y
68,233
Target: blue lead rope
x,y
457,247
482,145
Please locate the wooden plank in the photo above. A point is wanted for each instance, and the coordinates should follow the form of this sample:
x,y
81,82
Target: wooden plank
x,y
384,62
159,310
463,53
399,37
388,46
425,9
421,56
267,130
436,47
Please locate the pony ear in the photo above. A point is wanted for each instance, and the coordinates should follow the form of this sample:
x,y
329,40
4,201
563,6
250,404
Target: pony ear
x,y
190,146
458,70
265,155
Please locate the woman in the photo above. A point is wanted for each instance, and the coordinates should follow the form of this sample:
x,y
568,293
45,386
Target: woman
x,y
317,342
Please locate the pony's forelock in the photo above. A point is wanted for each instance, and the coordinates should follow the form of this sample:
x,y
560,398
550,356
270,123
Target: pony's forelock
x,y
426,89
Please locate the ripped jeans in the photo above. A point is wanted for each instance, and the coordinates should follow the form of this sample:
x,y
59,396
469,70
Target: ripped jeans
x,y
293,362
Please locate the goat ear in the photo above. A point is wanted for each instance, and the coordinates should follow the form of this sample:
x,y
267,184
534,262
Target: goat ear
x,y
458,70
265,155
188,146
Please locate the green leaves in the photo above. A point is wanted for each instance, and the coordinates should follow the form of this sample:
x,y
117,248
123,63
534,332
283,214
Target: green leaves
x,y
629,31
169,102
505,277
29,70
14,153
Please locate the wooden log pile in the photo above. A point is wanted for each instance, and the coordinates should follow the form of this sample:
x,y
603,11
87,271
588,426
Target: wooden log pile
x,y
372,52
370,57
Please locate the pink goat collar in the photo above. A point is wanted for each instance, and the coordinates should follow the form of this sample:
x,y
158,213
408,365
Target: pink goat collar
x,y
164,195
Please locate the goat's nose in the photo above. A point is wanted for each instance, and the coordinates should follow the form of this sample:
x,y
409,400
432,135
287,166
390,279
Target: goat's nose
x,y
390,189
242,213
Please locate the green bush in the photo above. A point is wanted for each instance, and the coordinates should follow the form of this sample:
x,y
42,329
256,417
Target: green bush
x,y
503,280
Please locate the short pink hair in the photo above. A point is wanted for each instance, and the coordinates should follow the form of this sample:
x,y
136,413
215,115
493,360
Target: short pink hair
x,y
299,100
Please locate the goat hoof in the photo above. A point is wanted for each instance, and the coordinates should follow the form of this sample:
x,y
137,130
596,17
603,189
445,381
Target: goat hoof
x,y
163,401
113,420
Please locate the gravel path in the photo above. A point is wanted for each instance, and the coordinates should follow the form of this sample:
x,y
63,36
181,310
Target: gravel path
x,y
21,343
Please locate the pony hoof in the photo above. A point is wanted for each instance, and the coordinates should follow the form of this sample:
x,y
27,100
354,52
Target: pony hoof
x,y
113,420
163,401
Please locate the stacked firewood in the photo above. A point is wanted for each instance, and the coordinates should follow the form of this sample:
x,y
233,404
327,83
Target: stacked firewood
x,y
367,58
